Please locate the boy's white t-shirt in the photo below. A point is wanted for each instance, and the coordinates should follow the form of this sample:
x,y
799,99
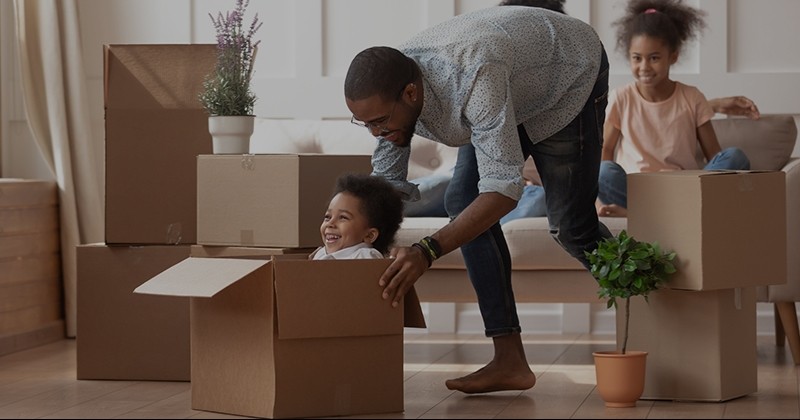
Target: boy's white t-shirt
x,y
657,136
356,252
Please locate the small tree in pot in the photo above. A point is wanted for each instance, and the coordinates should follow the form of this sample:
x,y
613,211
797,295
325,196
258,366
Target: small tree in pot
x,y
625,267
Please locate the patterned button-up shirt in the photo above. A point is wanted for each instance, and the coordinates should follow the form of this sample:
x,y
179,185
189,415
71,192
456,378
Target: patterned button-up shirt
x,y
487,71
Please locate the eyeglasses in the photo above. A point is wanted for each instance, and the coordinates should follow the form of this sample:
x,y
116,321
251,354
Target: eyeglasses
x,y
382,129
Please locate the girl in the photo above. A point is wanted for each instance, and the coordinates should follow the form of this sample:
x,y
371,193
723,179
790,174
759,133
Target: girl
x,y
656,123
362,219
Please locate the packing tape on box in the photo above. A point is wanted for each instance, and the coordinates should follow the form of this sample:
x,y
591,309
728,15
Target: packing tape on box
x,y
737,298
247,237
248,163
745,183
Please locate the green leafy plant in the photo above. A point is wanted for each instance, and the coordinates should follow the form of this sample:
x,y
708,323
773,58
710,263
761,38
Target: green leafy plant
x,y
625,267
226,90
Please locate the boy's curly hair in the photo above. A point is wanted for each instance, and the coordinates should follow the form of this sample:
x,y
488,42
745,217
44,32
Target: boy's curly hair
x,y
380,202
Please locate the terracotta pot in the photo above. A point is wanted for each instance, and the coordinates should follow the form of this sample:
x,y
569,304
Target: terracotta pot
x,y
231,134
620,377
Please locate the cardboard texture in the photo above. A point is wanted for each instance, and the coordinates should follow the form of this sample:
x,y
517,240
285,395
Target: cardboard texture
x,y
283,337
275,200
155,128
701,344
246,252
727,228
127,336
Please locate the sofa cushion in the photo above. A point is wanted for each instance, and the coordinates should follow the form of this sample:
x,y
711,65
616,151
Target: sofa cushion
x,y
768,142
529,242
532,247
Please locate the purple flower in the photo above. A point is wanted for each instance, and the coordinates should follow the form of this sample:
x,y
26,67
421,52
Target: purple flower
x,y
227,89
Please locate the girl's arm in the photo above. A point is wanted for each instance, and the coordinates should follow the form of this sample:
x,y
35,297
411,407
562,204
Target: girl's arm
x,y
708,140
611,136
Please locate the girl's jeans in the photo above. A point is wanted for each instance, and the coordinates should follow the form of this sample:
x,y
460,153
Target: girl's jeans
x,y
614,182
568,163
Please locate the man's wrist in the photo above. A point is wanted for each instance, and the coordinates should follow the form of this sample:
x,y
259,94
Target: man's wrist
x,y
424,251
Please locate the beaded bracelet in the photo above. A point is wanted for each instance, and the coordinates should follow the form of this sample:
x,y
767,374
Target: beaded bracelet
x,y
424,252
433,246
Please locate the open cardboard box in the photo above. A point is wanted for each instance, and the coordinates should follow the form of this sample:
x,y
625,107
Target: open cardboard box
x,y
290,337
728,228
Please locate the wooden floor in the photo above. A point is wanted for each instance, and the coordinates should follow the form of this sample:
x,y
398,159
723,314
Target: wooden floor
x,y
40,383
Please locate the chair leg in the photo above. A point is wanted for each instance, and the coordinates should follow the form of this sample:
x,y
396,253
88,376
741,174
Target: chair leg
x,y
780,335
788,316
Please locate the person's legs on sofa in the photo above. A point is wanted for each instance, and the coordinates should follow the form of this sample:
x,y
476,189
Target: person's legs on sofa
x,y
531,204
431,191
612,184
731,158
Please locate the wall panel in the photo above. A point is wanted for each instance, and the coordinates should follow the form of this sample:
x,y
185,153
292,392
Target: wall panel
x,y
748,48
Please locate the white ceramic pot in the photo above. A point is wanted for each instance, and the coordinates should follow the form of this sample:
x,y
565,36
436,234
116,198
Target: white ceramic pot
x,y
231,134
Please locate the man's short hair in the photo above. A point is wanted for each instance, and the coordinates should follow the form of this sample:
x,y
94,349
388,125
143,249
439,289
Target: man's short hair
x,y
381,71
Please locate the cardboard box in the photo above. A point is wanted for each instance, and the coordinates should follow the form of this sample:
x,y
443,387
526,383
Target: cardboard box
x,y
289,337
727,228
701,344
155,128
273,200
127,336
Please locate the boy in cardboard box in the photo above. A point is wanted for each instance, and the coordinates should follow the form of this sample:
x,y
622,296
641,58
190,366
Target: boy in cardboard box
x,y
362,219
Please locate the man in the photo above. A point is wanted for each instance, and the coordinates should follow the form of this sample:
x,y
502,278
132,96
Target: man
x,y
502,84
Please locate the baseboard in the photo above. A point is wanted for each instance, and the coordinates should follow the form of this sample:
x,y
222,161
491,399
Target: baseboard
x,y
48,333
549,318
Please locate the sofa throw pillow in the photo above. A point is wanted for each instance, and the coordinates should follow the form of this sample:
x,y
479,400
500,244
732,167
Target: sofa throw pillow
x,y
768,142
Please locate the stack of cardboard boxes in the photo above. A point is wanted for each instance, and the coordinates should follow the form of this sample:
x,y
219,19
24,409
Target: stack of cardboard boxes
x,y
204,275
155,128
728,230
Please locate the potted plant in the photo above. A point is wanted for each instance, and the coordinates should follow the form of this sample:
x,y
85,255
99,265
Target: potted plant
x,y
226,94
624,268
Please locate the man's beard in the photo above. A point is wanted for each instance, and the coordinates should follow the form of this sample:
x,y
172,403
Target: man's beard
x,y
406,133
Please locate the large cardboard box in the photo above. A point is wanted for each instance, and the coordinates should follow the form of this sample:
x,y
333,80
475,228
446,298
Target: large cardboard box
x,y
289,337
727,228
274,200
127,336
701,344
155,128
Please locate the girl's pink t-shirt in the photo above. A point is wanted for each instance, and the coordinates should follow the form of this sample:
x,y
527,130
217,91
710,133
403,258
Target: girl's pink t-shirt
x,y
657,136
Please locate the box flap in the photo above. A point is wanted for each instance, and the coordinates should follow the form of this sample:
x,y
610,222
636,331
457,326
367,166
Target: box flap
x,y
199,277
156,76
333,298
412,312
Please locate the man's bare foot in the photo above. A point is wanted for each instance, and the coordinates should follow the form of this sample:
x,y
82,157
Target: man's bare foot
x,y
492,378
508,371
612,210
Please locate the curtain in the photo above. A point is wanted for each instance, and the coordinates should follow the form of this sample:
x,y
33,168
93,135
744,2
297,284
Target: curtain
x,y
57,110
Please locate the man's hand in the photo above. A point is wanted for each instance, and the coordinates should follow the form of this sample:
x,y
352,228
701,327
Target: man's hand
x,y
407,267
735,105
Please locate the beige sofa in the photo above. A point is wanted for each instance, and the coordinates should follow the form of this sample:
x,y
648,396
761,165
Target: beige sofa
x,y
542,271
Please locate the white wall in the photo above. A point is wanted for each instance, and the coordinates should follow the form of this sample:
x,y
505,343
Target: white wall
x,y
749,48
